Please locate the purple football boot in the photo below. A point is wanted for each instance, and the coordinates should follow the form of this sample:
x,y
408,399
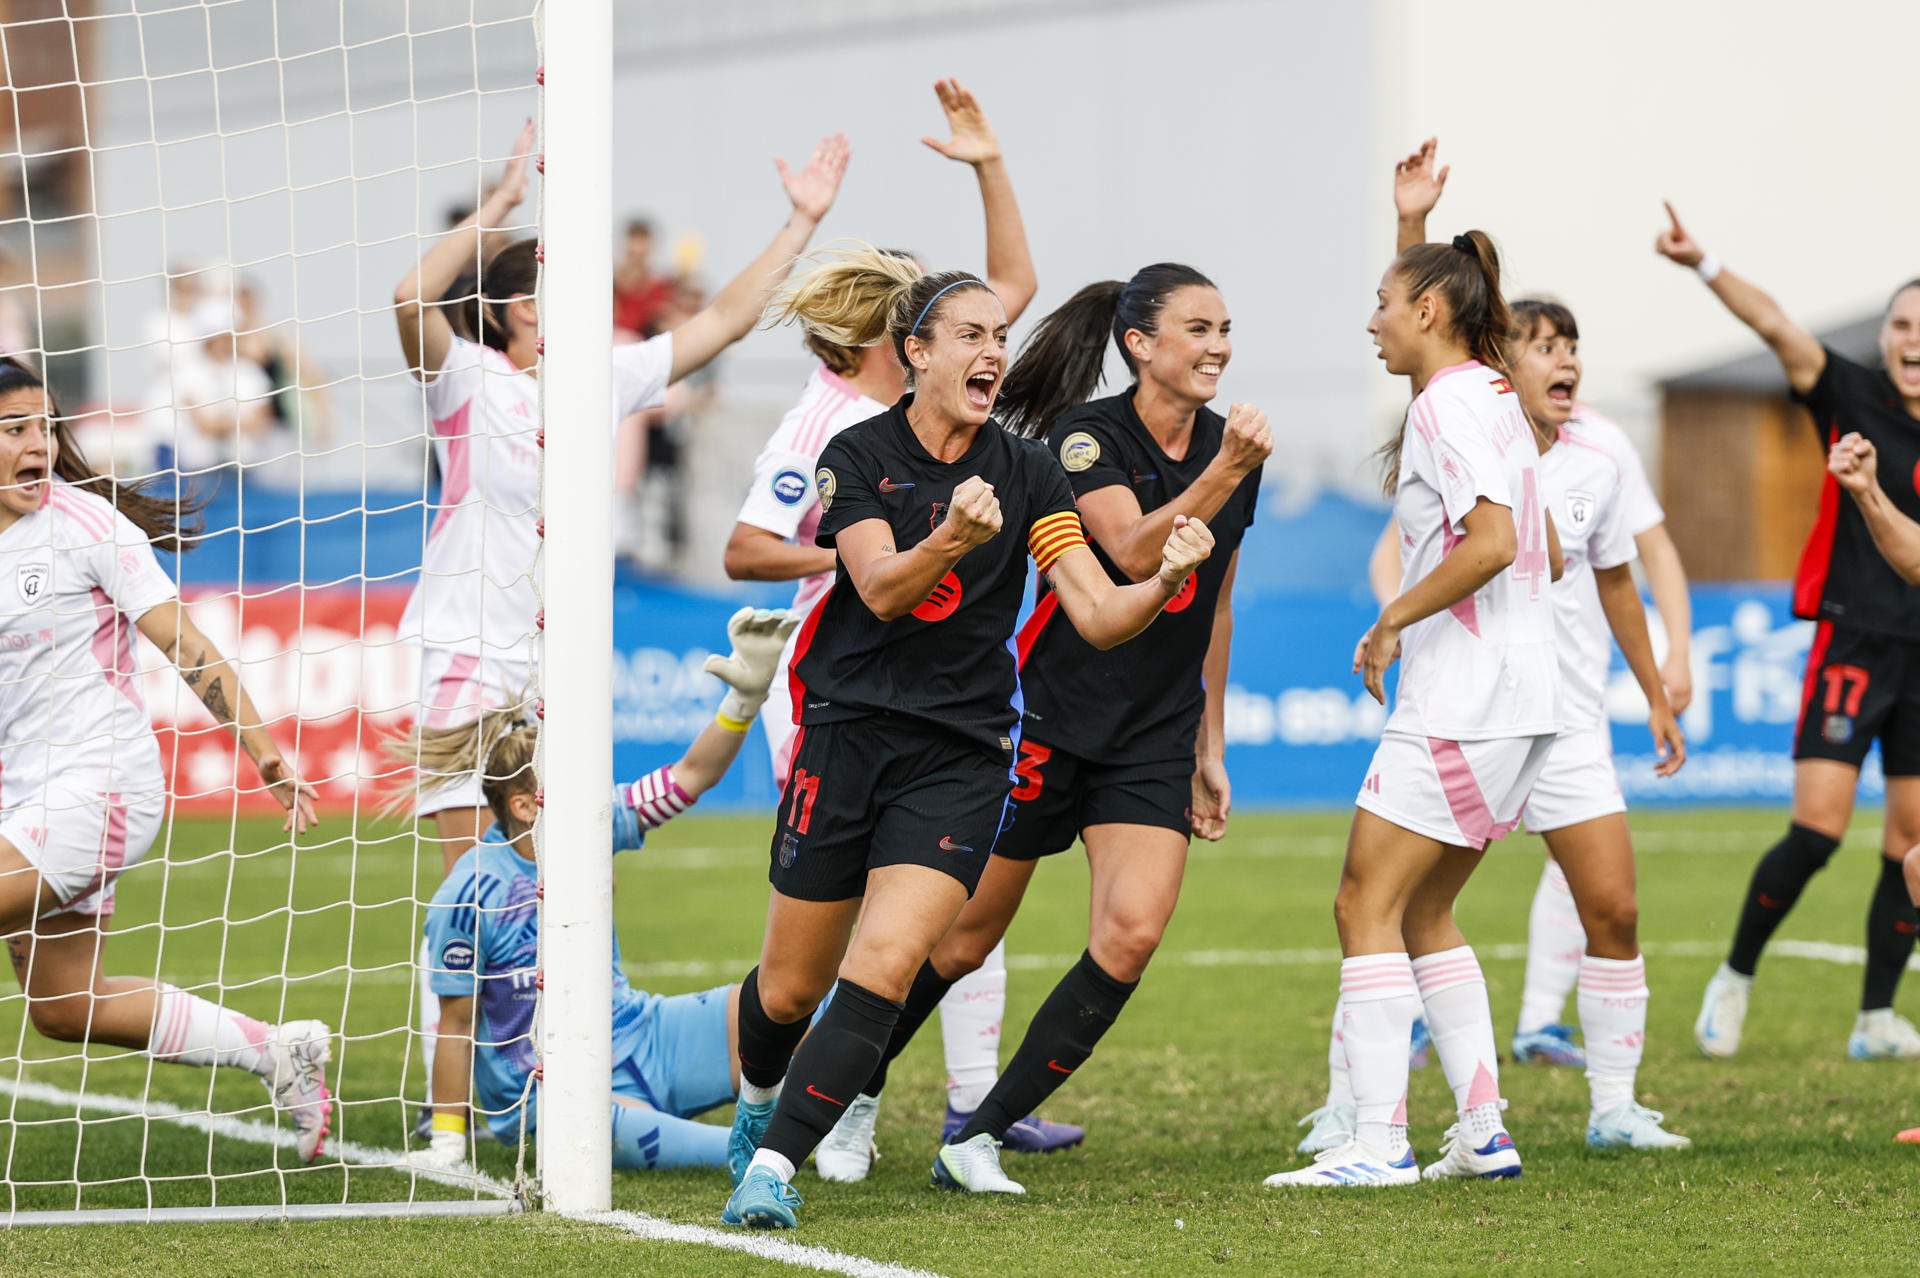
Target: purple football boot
x,y
1031,1135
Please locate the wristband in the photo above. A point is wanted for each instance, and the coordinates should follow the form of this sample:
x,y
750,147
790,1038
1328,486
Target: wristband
x,y
1708,268
730,723
738,708
455,1123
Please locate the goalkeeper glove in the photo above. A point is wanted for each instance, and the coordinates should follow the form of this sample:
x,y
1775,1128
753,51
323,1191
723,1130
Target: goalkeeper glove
x,y
759,636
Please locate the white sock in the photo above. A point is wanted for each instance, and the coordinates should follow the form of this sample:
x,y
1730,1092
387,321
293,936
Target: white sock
x,y
1613,1018
1555,942
970,1017
1455,995
429,1015
1378,1002
1339,1077
188,1030
781,1165
751,1094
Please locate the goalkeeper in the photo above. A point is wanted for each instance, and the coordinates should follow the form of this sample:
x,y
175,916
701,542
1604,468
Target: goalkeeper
x,y
673,1057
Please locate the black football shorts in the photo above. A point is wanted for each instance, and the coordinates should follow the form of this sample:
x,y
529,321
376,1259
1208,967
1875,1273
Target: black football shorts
x,y
1861,686
1057,794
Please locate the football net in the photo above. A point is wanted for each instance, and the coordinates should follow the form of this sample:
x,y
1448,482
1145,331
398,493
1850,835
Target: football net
x,y
208,207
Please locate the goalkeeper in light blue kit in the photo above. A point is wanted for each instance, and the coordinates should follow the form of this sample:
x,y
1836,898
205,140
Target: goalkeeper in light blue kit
x,y
673,1057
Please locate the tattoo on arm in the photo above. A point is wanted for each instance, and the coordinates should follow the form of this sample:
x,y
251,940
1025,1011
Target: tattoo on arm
x,y
215,699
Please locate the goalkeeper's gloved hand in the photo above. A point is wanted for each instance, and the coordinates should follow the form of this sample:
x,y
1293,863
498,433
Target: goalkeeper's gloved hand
x,y
447,1151
759,636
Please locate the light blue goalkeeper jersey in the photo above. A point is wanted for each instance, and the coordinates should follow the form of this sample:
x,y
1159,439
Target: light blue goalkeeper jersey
x,y
483,935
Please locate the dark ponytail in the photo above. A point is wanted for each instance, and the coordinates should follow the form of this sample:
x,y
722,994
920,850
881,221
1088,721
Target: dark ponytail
x,y
1466,274
1061,364
478,311
160,518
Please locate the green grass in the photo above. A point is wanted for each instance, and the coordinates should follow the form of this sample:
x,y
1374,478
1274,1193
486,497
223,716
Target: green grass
x,y
1190,1101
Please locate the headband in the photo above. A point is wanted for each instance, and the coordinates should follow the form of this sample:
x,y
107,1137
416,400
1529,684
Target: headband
x,y
936,297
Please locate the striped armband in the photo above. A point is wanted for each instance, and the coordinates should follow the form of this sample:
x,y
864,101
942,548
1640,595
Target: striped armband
x,y
1053,536
657,798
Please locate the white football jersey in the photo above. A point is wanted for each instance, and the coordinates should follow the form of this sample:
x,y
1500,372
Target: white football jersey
x,y
475,592
1485,667
782,498
1601,501
74,577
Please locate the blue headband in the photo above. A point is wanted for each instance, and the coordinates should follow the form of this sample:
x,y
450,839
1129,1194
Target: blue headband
x,y
936,297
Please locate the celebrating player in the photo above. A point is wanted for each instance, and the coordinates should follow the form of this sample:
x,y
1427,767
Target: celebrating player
x,y
473,611
1473,717
904,685
1859,687
672,1057
85,791
1121,748
773,541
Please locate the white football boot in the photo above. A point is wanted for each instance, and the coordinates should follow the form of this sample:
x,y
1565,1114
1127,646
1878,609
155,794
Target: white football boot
x,y
1723,1011
847,1154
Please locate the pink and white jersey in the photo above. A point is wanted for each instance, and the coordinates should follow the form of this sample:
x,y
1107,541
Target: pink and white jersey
x,y
74,577
1600,499
782,498
1485,667
475,593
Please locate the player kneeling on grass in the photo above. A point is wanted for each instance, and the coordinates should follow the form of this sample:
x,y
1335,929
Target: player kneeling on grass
x,y
85,793
673,1057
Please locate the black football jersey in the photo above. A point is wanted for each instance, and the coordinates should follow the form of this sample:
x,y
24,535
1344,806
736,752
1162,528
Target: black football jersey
x,y
1141,700
950,661
1843,578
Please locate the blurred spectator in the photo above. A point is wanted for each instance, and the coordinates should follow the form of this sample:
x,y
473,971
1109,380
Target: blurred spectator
x,y
214,406
640,296
299,398
16,318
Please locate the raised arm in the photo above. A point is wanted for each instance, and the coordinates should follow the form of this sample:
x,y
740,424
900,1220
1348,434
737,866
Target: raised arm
x,y
737,307
1667,578
425,335
1798,351
1107,615
1489,547
1855,464
1135,540
1627,618
1009,260
214,681
1416,189
759,636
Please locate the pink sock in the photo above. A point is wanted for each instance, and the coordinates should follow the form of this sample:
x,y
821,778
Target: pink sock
x,y
188,1030
1455,994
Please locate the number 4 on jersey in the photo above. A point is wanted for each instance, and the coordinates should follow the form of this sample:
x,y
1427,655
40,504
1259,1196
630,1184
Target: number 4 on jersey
x,y
1532,565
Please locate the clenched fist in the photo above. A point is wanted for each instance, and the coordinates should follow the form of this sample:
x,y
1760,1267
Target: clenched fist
x,y
973,516
1188,546
1853,462
1247,440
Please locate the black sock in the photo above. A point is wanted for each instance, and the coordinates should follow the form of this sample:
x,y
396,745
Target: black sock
x,y
1891,924
1063,1034
828,1069
1777,883
765,1044
929,987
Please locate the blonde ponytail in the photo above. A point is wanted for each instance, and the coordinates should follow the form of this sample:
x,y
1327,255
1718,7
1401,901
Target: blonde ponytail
x,y
499,743
850,295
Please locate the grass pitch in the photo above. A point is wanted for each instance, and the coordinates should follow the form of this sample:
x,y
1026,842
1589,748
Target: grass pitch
x,y
1190,1100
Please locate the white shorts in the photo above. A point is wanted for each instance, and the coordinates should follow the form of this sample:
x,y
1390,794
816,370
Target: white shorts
x,y
80,841
454,688
1578,784
1463,793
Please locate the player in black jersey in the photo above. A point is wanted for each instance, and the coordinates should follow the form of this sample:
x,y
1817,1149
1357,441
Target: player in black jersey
x,y
1863,673
904,686
1109,740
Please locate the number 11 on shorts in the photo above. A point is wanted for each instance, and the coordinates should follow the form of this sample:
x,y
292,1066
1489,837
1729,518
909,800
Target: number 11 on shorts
x,y
805,788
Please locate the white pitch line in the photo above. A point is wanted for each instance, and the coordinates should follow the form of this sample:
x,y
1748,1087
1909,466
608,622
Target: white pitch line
x,y
756,1245
642,1226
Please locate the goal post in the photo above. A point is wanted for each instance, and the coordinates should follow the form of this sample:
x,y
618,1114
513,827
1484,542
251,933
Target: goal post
x,y
576,581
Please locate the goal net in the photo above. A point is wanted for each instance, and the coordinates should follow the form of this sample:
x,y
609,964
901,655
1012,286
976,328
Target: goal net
x,y
207,209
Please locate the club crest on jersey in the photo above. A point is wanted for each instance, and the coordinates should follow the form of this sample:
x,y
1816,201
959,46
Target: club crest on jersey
x,y
1579,509
823,480
935,513
31,581
1079,451
789,486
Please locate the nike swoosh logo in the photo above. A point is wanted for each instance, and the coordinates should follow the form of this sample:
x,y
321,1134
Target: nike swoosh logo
x,y
1057,1066
888,486
814,1091
948,845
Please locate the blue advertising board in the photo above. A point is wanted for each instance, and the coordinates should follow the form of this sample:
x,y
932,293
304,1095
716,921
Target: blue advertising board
x,y
1300,728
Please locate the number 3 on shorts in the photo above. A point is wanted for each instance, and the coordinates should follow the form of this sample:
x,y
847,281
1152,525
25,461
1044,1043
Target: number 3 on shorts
x,y
1033,756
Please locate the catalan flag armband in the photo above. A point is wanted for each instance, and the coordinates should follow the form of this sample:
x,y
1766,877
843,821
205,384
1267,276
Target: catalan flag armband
x,y
1053,536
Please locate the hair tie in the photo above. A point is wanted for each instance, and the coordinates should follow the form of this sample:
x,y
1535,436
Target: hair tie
x,y
936,297
1465,245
